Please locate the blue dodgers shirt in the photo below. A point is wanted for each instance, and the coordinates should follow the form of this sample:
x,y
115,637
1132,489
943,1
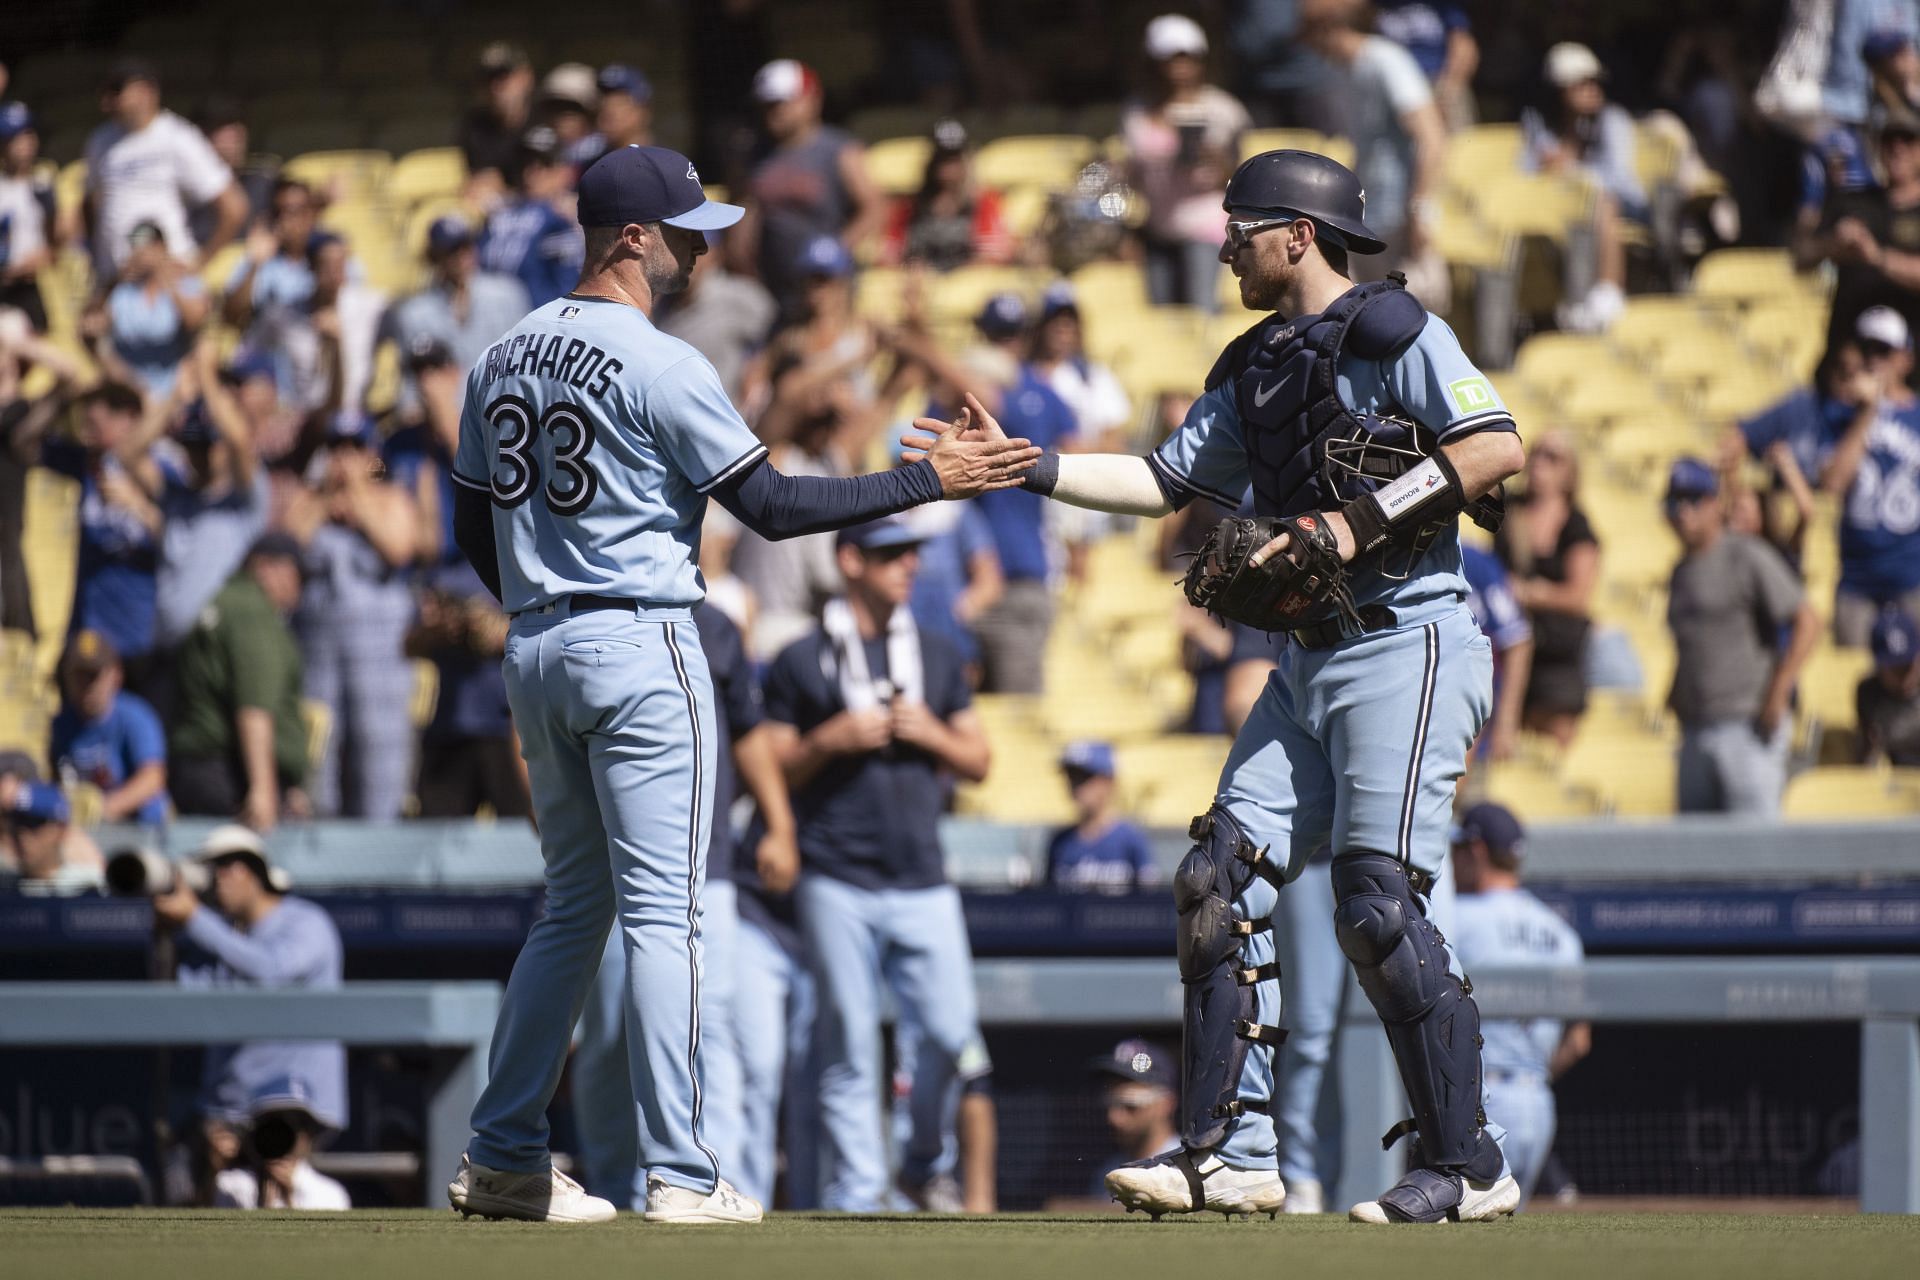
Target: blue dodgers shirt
x,y
1808,420
1117,858
108,751
1880,521
533,241
117,583
871,820
942,579
1033,411
736,696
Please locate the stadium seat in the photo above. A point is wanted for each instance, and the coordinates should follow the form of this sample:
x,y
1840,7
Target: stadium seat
x,y
1480,152
1255,141
959,295
1852,791
897,165
354,174
1048,161
317,718
1748,275
1552,362
426,692
1025,211
1525,204
427,174
1530,789
875,124
1741,392
1828,683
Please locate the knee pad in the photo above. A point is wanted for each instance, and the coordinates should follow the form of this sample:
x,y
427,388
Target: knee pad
x,y
1218,1002
1430,1017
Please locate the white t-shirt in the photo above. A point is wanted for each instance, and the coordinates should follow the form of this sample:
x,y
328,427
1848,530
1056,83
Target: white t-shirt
x,y
239,1189
1091,390
23,219
155,176
1386,84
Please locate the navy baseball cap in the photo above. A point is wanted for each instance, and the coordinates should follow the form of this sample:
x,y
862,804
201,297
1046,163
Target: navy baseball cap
x,y
283,1093
1492,824
1004,316
447,234
250,362
878,535
38,803
826,256
1882,44
650,184
1896,639
1138,1062
1058,298
617,77
15,120
1089,756
1690,479
350,426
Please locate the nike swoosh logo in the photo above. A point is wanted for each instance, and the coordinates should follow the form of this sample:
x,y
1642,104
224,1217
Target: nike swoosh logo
x,y
1263,394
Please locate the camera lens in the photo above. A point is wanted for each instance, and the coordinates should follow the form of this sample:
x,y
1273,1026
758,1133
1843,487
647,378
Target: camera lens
x,y
273,1136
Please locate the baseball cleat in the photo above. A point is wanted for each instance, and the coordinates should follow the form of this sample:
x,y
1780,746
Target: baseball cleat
x,y
1178,1184
668,1203
1304,1195
938,1194
547,1196
1426,1195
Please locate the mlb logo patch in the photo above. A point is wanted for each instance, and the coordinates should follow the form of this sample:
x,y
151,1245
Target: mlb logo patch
x,y
568,313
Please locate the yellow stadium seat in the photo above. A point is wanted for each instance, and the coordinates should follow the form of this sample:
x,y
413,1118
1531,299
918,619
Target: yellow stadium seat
x,y
1654,320
1526,204
317,717
1480,152
426,692
428,174
1551,362
1109,286
1631,772
221,266
1745,275
1828,682
1790,332
959,295
1613,396
1048,161
50,542
1024,210
1531,790
1255,141
1741,392
1852,791
898,165
878,293
353,175
86,802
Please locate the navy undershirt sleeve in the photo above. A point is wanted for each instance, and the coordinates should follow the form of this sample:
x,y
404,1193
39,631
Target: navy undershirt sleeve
x,y
777,506
473,534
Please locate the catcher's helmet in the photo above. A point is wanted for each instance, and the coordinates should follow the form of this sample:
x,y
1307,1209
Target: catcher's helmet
x,y
1305,184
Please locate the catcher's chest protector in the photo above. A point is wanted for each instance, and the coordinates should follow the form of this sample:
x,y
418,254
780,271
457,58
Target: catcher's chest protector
x,y
1283,377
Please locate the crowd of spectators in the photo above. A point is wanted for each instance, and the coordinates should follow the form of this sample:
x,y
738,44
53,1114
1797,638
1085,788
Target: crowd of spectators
x,y
244,489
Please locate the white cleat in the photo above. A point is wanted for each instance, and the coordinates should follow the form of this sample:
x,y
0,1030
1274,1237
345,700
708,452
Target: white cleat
x,y
1177,1184
547,1196
1422,1196
1304,1195
668,1203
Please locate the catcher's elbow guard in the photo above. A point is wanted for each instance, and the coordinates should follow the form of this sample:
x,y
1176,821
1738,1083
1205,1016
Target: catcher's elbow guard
x,y
1400,511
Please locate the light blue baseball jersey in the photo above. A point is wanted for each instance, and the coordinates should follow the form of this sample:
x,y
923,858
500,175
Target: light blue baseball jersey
x,y
1430,381
1512,927
599,438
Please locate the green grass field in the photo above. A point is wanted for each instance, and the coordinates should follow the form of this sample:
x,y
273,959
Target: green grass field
x,y
81,1244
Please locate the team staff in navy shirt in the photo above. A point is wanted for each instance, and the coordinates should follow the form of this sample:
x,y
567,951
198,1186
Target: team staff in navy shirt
x,y
1101,850
1874,468
868,713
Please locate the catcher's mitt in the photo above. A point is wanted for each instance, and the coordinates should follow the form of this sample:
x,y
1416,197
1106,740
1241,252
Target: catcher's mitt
x,y
1304,585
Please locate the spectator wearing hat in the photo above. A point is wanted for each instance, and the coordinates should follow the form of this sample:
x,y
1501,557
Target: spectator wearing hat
x,y
726,318
144,327
951,221
146,165
1790,439
1872,236
1101,850
29,216
1730,600
275,272
1874,471
418,451
1496,922
1182,141
1399,139
532,234
245,930
1581,133
462,306
119,523
1440,38
469,757
40,848
1887,703
625,118
107,737
278,1171
322,349
1102,413
568,102
810,181
1013,633
1847,79
361,536
1893,64
870,715
1139,1089
489,135
25,421
239,743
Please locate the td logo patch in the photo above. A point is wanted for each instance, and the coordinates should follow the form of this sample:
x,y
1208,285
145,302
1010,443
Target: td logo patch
x,y
1471,395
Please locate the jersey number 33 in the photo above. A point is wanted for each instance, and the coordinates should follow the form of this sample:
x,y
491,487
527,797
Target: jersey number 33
x,y
517,431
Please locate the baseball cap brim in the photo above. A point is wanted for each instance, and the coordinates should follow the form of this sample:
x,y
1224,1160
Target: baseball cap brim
x,y
710,215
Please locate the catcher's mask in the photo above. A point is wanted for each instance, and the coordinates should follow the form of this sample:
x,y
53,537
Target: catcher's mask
x,y
1369,450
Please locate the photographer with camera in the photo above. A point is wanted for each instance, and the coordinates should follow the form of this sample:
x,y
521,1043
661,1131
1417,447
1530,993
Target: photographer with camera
x,y
252,933
277,1172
